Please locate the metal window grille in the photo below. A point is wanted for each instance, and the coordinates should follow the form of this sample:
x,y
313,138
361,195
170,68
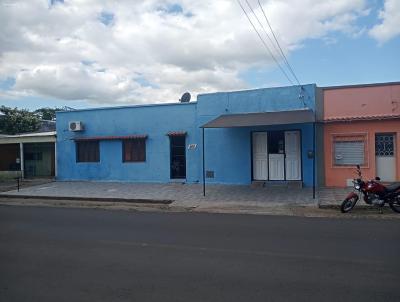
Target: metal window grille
x,y
384,145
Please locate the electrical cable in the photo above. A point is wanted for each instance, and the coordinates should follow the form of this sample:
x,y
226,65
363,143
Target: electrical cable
x,y
264,43
277,42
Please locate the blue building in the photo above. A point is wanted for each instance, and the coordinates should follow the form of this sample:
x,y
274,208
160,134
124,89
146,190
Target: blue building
x,y
254,135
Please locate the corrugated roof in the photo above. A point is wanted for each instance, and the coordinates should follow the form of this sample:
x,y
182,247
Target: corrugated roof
x,y
361,118
262,119
38,134
100,138
360,85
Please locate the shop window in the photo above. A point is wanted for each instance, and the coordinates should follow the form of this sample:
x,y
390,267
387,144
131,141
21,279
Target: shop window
x,y
134,150
349,150
87,151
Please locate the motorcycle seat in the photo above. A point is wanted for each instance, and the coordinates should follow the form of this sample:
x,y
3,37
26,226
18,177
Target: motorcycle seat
x,y
393,187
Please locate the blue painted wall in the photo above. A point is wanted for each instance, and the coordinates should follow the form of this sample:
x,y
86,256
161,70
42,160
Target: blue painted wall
x,y
228,151
155,121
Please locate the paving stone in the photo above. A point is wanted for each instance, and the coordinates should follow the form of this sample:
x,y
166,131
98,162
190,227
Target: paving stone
x,y
181,193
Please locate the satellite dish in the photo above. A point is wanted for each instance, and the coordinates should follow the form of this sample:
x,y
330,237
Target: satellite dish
x,y
185,98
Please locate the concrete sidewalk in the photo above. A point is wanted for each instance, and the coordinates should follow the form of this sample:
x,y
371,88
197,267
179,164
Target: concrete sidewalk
x,y
181,194
12,184
188,198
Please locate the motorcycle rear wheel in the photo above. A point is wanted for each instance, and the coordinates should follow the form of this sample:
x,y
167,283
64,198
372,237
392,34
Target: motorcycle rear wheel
x,y
348,204
395,204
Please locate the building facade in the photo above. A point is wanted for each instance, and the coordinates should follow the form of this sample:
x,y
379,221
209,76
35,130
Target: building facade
x,y
105,149
28,155
361,126
263,135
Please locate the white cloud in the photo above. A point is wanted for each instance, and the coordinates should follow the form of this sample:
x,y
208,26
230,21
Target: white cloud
x,y
390,25
153,50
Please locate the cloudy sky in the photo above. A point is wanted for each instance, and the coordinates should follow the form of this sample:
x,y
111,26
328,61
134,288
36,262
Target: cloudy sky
x,y
88,53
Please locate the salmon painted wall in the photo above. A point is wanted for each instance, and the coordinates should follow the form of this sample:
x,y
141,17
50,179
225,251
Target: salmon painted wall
x,y
358,102
362,101
335,176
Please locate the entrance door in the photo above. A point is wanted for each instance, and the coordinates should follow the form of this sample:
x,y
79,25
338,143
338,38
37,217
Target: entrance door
x,y
276,146
385,156
276,167
178,157
292,151
260,156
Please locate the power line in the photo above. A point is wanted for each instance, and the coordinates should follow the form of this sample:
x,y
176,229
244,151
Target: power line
x,y
277,42
279,51
263,28
265,44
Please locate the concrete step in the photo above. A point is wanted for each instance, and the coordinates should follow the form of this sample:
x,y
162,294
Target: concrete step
x,y
278,183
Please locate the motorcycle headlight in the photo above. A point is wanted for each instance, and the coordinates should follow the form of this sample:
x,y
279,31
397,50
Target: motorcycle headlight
x,y
357,187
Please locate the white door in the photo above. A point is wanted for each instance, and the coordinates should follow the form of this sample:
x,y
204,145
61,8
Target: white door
x,y
385,156
292,150
276,166
260,156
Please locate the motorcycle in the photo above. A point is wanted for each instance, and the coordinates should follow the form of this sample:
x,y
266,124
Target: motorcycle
x,y
374,193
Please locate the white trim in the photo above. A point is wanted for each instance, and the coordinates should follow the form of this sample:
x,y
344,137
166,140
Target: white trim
x,y
41,137
38,134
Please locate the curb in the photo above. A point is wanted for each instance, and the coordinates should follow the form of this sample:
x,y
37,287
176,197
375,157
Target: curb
x,y
102,199
329,206
337,207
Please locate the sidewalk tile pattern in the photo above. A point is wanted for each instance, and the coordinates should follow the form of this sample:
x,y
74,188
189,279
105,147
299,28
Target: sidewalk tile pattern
x,y
189,194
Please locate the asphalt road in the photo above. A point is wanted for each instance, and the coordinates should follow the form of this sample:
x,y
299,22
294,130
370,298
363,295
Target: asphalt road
x,y
55,254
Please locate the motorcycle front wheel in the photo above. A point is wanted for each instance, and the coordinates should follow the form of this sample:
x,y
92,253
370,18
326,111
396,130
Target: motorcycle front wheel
x,y
348,204
395,204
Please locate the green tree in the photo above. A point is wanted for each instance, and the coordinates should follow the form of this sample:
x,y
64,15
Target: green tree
x,y
16,121
46,113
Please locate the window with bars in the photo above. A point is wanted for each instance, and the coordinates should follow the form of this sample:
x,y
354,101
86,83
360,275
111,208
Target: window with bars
x,y
349,150
134,150
384,145
87,151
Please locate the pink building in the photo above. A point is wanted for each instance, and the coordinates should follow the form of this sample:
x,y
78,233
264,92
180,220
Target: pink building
x,y
361,126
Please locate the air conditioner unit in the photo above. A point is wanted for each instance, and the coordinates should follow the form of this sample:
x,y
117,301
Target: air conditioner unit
x,y
75,126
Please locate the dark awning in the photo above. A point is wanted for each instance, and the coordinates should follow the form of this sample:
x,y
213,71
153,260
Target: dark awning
x,y
101,138
262,119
